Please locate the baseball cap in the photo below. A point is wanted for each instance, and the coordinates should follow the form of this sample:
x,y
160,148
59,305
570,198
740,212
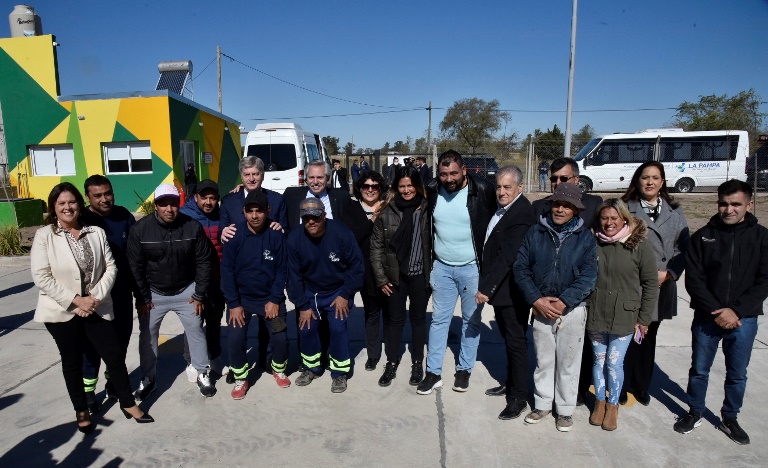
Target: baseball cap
x,y
207,184
311,207
166,190
256,197
568,192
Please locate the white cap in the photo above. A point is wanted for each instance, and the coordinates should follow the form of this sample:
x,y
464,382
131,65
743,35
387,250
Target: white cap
x,y
166,190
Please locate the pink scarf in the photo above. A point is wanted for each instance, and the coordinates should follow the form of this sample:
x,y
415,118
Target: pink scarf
x,y
617,237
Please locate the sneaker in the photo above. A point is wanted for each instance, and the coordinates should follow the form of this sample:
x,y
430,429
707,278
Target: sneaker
x,y
417,373
564,423
513,409
390,372
461,381
93,404
734,431
339,384
146,387
687,423
191,373
109,390
241,388
535,416
371,363
282,380
431,381
306,378
230,378
204,384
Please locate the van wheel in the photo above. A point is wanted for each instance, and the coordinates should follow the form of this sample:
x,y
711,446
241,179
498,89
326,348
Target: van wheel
x,y
684,186
585,184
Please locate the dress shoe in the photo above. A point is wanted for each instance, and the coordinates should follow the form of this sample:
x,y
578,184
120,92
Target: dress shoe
x,y
501,390
513,410
644,398
146,418
371,363
81,417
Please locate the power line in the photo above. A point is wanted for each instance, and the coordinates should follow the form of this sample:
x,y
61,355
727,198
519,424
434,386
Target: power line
x,y
337,115
204,69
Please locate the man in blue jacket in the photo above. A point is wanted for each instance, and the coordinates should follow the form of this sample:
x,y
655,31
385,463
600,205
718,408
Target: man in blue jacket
x,y
325,269
253,272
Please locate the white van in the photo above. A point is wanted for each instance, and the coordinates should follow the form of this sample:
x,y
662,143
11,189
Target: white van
x,y
690,159
285,149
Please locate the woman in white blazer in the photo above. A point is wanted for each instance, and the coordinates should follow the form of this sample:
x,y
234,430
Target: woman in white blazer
x,y
73,267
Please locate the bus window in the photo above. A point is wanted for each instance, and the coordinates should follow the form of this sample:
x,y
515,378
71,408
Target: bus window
x,y
312,152
718,148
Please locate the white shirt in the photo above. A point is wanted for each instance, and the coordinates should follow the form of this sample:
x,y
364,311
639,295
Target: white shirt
x,y
497,216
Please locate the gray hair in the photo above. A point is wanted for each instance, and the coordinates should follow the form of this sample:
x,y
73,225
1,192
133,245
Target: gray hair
x,y
514,171
319,163
251,161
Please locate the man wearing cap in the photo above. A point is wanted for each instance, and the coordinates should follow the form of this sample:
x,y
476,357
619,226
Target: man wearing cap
x,y
334,200
325,269
253,272
170,258
556,269
203,207
566,170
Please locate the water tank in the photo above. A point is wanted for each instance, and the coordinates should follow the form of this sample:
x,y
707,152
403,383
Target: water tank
x,y
25,22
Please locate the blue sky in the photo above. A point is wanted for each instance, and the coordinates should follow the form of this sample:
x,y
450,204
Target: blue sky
x,y
402,54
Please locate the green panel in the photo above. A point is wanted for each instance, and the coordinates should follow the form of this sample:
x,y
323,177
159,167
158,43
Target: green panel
x,y
28,212
122,134
29,113
74,137
185,121
229,175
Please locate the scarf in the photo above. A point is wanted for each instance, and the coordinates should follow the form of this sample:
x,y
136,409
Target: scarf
x,y
402,240
616,237
651,209
569,226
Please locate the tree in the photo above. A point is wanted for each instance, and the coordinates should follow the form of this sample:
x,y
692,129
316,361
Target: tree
x,y
402,147
712,112
581,138
473,121
386,148
331,144
349,148
420,146
549,144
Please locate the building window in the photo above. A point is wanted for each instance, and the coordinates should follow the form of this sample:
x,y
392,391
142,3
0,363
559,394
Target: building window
x,y
134,157
53,160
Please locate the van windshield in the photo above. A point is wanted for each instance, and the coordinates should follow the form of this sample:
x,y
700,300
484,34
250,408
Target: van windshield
x,y
276,157
586,149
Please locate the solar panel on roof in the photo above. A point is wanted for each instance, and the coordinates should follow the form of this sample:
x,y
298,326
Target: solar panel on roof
x,y
173,81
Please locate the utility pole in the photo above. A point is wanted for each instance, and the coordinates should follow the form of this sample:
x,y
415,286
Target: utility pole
x,y
429,131
571,65
218,65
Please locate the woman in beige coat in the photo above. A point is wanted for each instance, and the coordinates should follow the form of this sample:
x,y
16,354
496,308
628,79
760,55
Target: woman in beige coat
x,y
73,267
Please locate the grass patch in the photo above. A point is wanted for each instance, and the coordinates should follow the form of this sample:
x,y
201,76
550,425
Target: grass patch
x,y
10,241
145,206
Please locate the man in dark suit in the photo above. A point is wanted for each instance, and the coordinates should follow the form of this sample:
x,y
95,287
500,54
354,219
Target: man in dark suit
x,y
566,170
502,240
421,164
335,200
339,176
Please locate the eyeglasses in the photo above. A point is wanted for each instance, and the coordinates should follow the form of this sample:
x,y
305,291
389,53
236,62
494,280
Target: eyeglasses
x,y
374,187
562,178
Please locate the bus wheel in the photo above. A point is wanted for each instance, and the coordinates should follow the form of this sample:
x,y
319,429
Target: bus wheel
x,y
585,184
684,186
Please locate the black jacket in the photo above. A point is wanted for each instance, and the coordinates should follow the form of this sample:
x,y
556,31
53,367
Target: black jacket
x,y
481,204
357,222
588,214
339,199
167,258
727,266
500,252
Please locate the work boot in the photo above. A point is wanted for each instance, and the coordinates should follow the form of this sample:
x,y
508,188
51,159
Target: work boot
x,y
611,417
598,414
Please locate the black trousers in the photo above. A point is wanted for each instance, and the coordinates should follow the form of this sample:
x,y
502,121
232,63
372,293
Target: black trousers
x,y
513,325
213,312
123,325
372,307
587,359
639,362
416,289
70,337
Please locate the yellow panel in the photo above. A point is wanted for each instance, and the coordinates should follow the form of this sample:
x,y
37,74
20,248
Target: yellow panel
x,y
58,135
35,55
213,135
97,127
147,118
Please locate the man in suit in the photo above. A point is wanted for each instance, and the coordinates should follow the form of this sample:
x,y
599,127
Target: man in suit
x,y
566,170
335,200
502,240
339,176
421,165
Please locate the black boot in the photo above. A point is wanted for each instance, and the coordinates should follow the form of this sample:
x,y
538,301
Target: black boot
x,y
417,373
390,372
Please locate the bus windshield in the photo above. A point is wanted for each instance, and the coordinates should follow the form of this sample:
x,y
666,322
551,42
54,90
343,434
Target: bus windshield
x,y
587,149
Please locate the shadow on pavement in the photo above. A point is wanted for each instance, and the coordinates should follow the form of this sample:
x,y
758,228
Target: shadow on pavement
x,y
16,289
13,322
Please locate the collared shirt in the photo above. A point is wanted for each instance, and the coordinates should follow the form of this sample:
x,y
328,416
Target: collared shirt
x,y
81,250
326,201
497,216
335,178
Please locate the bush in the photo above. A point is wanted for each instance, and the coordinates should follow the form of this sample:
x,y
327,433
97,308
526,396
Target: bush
x,y
145,206
10,241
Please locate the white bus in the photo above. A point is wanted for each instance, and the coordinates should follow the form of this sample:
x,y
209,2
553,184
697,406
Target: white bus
x,y
690,159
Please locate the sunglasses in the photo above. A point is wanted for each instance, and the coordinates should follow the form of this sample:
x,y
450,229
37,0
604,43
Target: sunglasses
x,y
374,187
308,218
562,178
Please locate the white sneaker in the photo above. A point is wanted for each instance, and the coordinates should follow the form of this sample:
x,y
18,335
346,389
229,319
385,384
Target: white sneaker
x,y
204,384
191,374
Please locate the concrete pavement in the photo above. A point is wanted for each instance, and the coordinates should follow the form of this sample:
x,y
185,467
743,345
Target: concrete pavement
x,y
365,426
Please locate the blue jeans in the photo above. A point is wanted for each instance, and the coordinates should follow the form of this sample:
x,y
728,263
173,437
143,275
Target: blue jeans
x,y
737,348
542,182
615,348
448,283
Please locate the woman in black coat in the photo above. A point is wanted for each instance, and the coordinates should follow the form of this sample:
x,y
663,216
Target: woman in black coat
x,y
369,190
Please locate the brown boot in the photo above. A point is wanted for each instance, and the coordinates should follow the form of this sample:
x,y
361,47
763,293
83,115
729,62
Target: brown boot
x,y
611,417
598,415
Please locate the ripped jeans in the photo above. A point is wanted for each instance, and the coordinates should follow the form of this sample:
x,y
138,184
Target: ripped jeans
x,y
615,347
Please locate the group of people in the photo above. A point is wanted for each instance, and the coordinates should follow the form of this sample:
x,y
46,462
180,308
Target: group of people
x,y
593,278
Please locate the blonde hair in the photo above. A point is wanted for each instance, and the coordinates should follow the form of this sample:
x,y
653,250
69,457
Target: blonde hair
x,y
621,208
